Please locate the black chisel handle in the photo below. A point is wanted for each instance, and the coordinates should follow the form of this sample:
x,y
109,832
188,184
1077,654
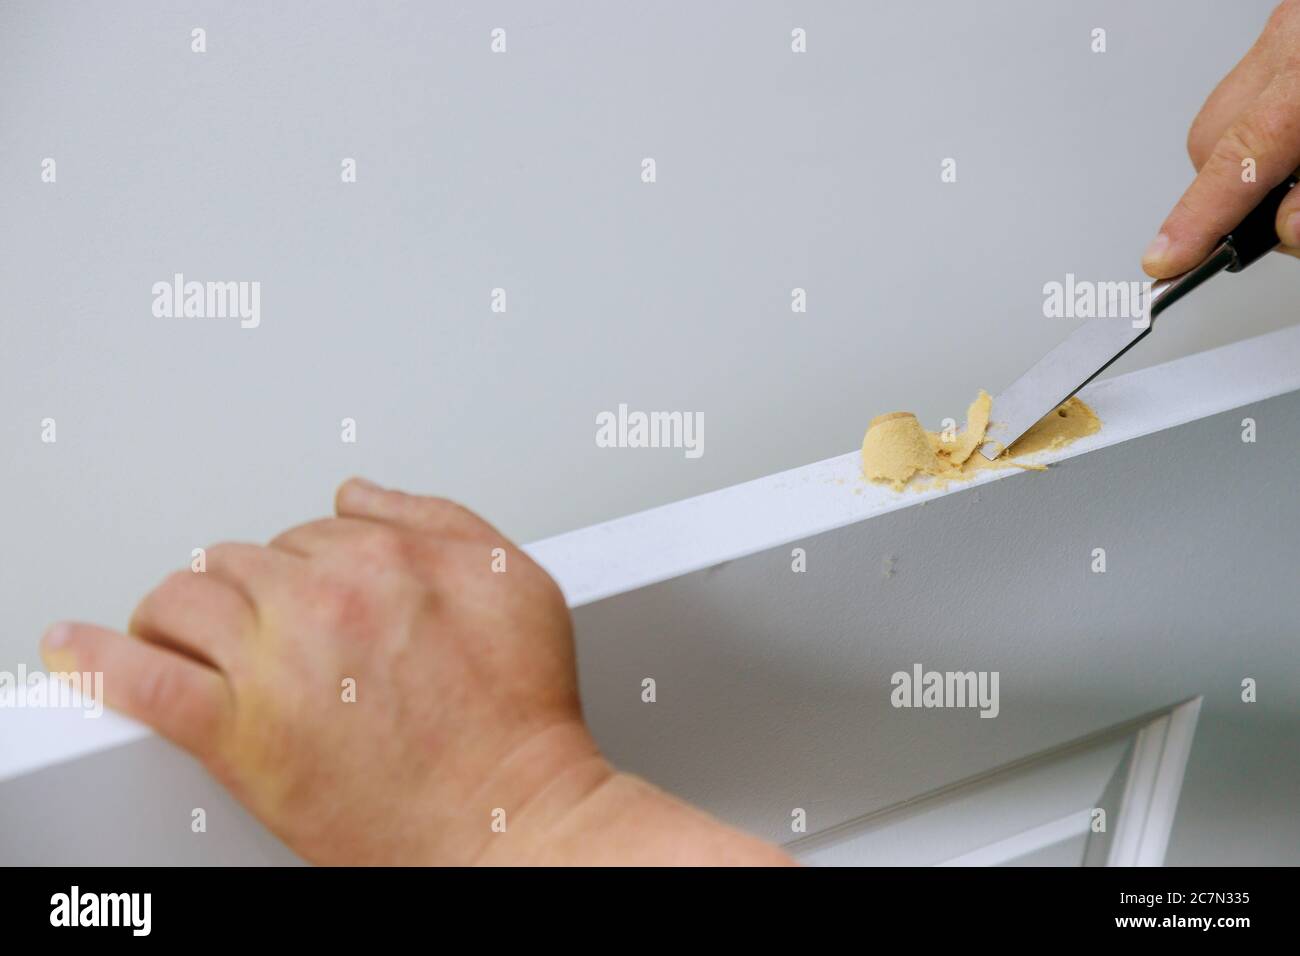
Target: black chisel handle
x,y
1257,233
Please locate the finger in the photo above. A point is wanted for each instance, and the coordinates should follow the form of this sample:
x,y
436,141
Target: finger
x,y
198,616
184,701
1288,220
358,498
1218,199
324,534
250,569
1230,99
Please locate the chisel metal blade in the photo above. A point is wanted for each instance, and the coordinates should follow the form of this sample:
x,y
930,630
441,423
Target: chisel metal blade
x,y
1058,375
1089,351
1097,343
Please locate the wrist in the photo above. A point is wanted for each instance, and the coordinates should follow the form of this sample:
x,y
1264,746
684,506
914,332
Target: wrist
x,y
627,821
529,791
580,811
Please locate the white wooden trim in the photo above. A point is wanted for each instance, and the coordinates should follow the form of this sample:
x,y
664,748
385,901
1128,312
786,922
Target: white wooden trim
x,y
1070,781
1036,838
1152,788
667,542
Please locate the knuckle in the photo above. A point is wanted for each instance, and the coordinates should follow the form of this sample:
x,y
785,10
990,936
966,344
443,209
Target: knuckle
x,y
1261,136
454,562
384,546
340,605
445,507
455,515
1200,142
224,553
446,504
175,581
436,515
172,587
152,603
1242,140
283,539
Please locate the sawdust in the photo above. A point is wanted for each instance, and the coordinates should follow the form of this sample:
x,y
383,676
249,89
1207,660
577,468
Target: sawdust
x,y
895,448
897,451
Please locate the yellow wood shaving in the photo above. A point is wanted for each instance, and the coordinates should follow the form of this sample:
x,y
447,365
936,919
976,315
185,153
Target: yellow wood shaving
x,y
897,451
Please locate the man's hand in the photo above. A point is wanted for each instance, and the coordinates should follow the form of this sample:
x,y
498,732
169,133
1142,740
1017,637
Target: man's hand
x,y
1250,121
394,685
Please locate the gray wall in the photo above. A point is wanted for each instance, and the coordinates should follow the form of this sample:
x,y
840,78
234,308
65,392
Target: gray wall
x,y
521,170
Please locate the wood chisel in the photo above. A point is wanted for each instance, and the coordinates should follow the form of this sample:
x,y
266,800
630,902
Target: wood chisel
x,y
1097,343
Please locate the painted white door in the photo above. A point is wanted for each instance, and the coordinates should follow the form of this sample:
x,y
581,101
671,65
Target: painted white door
x,y
1106,800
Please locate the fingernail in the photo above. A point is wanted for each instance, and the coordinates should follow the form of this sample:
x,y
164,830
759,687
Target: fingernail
x,y
1291,230
365,484
58,657
1157,249
57,636
60,662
